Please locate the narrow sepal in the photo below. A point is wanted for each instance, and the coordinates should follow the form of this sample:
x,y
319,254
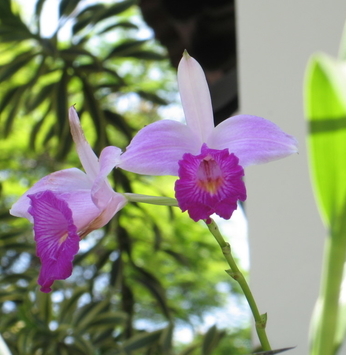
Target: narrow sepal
x,y
195,97
86,155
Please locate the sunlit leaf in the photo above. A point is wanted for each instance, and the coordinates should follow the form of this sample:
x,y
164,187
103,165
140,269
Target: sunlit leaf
x,y
325,91
13,111
9,95
16,64
325,105
36,100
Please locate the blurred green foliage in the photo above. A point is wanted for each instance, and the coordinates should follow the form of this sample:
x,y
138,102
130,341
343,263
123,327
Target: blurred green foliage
x,y
151,268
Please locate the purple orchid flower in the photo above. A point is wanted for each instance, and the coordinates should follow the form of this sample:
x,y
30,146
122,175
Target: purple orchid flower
x,y
67,205
208,160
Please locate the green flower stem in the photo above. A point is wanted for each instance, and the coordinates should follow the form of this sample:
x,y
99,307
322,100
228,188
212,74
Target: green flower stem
x,y
323,341
152,200
235,273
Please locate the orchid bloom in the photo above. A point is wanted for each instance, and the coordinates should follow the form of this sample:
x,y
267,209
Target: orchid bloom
x,y
208,160
67,205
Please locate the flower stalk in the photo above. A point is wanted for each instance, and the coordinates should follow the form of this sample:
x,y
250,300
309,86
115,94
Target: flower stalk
x,y
152,200
236,274
324,341
324,333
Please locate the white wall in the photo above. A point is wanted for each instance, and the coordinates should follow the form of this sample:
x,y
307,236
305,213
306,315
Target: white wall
x,y
276,38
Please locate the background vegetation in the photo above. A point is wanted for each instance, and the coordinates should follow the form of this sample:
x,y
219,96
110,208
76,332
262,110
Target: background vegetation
x,y
148,272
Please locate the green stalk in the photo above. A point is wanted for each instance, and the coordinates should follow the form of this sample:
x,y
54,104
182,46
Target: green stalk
x,y
235,273
152,200
323,341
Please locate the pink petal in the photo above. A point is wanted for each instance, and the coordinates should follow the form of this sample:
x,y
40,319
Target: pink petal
x,y
157,148
84,210
252,139
195,97
101,191
210,183
86,154
115,204
56,237
60,181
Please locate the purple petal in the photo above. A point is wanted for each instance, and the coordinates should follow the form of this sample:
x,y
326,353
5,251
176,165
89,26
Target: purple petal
x,y
60,181
252,139
56,237
210,183
86,154
101,191
195,97
157,148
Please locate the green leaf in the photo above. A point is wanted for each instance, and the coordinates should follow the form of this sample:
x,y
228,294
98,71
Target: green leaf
x,y
146,55
126,49
39,7
108,320
119,122
36,128
67,6
83,345
43,94
155,287
44,306
211,339
189,350
87,17
69,305
9,95
124,24
12,27
70,54
154,98
166,339
63,128
325,106
11,68
86,315
92,105
11,34
117,8
14,110
141,341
